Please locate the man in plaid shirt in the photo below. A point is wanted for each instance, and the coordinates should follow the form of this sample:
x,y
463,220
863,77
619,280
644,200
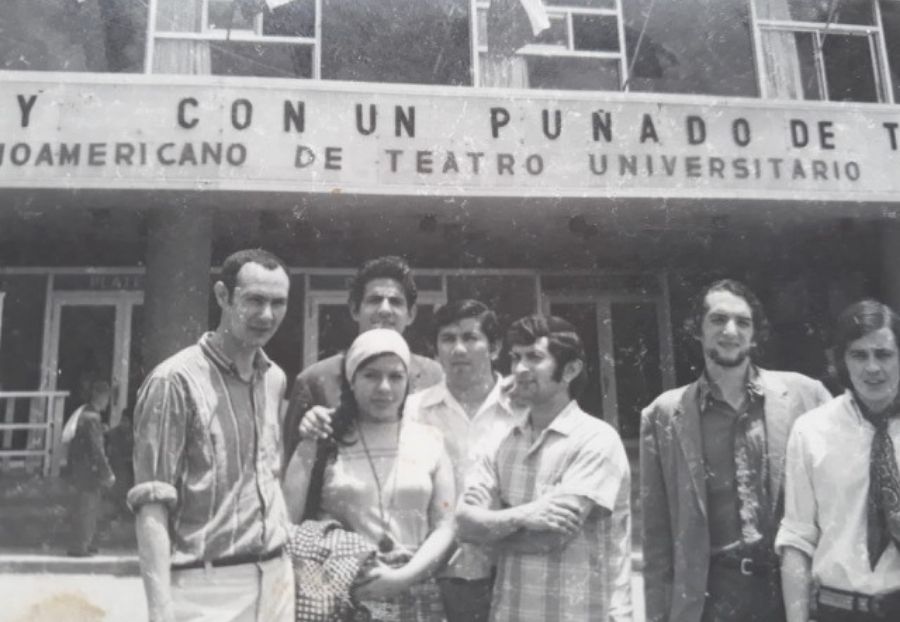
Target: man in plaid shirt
x,y
554,498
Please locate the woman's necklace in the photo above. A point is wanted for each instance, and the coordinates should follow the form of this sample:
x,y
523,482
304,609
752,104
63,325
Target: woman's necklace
x,y
386,543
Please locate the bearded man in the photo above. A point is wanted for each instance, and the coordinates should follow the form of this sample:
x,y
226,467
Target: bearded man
x,y
712,470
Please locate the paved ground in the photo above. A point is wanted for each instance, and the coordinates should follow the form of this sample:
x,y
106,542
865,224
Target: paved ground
x,y
29,596
71,598
40,584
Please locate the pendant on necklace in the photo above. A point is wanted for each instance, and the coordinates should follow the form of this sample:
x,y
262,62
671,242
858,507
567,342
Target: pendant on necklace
x,y
386,544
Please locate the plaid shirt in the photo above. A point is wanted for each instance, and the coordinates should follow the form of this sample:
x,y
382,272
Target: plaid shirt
x,y
207,445
465,439
589,577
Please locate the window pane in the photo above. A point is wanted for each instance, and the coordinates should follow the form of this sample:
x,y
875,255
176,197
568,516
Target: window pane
x,y
849,69
557,34
482,26
790,65
587,74
591,4
295,19
50,35
179,15
691,46
845,11
806,42
385,41
260,59
227,15
596,33
890,18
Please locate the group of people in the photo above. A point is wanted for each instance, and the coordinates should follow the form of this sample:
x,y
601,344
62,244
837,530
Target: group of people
x,y
396,487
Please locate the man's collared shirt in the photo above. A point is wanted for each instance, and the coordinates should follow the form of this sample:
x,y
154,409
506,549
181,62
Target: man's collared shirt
x,y
589,578
465,438
207,446
826,498
719,425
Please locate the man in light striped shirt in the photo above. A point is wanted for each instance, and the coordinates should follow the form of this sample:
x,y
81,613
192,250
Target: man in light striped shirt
x,y
554,497
211,520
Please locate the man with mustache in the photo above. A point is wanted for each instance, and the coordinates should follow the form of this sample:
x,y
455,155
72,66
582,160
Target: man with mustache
x,y
712,460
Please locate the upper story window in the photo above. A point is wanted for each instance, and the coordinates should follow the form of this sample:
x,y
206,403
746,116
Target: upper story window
x,y
411,41
560,44
73,35
822,50
272,38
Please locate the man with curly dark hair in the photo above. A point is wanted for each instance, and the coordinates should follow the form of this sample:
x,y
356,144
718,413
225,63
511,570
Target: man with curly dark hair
x,y
712,464
382,295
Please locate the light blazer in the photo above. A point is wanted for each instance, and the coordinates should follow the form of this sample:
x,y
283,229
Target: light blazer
x,y
673,487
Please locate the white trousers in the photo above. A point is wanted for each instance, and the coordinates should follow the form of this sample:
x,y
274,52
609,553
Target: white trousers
x,y
255,592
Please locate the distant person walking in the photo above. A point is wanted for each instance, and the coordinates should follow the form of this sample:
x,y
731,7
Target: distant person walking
x,y
89,471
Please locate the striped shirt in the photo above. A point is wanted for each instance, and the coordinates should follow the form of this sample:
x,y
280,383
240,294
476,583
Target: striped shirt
x,y
589,577
207,445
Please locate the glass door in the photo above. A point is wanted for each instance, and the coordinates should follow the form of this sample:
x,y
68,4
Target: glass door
x,y
628,347
92,337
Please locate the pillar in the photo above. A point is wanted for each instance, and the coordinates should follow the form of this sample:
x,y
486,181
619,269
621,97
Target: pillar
x,y
177,282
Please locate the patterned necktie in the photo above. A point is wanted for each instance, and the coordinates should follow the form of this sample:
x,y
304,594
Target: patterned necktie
x,y
752,475
883,517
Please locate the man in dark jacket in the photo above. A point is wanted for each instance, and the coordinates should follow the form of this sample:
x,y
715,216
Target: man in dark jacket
x,y
89,470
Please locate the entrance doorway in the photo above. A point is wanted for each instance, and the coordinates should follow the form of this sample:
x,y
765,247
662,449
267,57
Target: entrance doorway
x,y
94,336
629,352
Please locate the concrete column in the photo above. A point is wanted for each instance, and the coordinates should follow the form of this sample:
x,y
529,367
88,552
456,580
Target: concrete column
x,y
177,289
890,262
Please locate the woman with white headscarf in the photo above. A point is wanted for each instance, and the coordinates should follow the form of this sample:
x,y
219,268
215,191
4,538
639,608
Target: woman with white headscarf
x,y
385,478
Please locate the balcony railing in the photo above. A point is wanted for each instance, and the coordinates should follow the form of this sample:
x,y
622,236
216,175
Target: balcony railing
x,y
43,427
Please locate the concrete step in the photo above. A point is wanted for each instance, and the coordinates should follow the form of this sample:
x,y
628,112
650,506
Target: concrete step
x,y
122,563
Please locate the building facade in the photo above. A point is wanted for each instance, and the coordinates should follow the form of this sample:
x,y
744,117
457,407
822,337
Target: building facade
x,y
602,170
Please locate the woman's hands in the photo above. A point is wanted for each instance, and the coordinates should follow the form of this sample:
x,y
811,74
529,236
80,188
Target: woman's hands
x,y
382,581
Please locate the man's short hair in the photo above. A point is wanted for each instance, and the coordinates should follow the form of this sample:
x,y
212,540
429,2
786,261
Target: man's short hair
x,y
387,267
856,321
563,343
235,261
694,322
100,388
458,310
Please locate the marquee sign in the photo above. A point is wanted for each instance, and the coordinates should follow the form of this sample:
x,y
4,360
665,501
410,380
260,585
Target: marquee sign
x,y
201,132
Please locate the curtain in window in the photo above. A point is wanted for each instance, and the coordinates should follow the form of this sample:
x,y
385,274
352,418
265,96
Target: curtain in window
x,y
511,24
780,55
174,56
504,71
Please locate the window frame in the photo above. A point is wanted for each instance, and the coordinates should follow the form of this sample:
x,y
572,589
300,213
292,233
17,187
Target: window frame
x,y
234,35
567,12
874,33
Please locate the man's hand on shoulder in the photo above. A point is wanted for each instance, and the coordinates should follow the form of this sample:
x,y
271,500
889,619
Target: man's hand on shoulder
x,y
316,423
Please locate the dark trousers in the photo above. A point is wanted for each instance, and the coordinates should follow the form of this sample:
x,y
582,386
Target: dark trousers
x,y
466,601
86,509
735,597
